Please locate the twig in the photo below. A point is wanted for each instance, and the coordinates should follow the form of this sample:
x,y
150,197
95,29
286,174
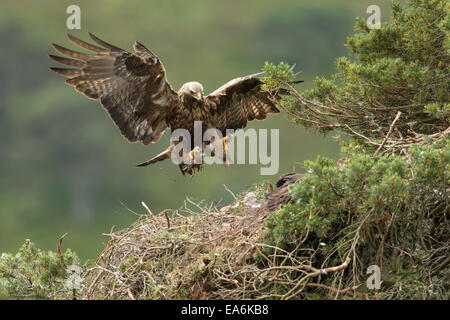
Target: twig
x,y
291,293
151,213
167,218
336,290
441,266
130,294
234,196
379,254
362,136
58,248
389,133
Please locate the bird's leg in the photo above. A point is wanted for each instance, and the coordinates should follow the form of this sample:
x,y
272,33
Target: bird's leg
x,y
225,143
193,152
219,149
193,164
225,150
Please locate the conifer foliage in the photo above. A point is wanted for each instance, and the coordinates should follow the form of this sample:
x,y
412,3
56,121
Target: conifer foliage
x,y
388,204
401,67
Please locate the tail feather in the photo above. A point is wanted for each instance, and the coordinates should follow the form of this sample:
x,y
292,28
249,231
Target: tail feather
x,y
160,157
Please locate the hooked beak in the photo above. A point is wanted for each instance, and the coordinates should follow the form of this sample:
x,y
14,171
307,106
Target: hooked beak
x,y
198,97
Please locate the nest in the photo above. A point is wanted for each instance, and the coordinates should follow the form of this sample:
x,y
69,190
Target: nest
x,y
202,252
181,254
199,253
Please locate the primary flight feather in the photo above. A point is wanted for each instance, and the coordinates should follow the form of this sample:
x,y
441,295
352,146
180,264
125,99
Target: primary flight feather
x,y
134,90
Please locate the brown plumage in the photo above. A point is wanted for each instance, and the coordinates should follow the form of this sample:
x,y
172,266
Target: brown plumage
x,y
134,90
281,196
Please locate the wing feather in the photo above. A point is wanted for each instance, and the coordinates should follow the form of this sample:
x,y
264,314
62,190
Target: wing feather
x,y
103,43
68,73
125,84
85,45
239,101
67,62
70,53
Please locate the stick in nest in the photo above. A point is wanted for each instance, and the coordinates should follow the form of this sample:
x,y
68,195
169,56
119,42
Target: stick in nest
x,y
58,248
151,213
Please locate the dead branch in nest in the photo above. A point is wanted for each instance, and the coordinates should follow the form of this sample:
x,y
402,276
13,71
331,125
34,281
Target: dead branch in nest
x,y
295,292
151,213
58,248
167,219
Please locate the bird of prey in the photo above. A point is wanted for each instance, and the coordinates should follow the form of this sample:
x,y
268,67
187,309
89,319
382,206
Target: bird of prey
x,y
134,90
277,198
281,196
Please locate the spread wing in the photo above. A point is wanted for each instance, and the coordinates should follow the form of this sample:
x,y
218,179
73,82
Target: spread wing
x,y
132,87
239,101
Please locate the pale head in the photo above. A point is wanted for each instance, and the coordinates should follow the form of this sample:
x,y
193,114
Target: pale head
x,y
193,90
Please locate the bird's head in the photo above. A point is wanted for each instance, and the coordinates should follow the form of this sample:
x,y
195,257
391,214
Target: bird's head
x,y
191,92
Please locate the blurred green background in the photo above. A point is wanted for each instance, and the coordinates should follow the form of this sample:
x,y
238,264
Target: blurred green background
x,y
64,166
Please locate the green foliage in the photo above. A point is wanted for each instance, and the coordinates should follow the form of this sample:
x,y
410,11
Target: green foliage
x,y
438,111
333,195
403,66
368,199
34,274
388,203
277,76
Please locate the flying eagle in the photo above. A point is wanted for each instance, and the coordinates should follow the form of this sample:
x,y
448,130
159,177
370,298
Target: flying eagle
x,y
134,90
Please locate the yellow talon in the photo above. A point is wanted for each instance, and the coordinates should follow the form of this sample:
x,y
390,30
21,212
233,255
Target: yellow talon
x,y
225,145
225,150
192,152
